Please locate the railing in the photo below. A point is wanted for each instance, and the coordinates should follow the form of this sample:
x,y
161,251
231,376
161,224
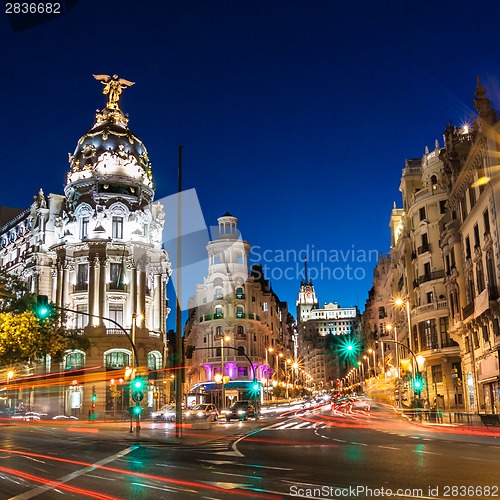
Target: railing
x,y
436,275
423,249
115,331
442,304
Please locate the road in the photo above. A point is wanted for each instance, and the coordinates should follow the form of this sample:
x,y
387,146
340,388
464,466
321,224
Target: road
x,y
344,452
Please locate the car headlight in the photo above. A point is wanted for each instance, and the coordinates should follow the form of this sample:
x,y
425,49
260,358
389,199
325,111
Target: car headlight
x,y
241,412
200,414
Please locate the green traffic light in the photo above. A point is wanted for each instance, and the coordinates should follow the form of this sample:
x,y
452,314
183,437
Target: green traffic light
x,y
138,384
137,410
94,398
42,306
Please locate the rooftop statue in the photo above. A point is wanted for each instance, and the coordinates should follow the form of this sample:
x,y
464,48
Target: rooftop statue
x,y
113,87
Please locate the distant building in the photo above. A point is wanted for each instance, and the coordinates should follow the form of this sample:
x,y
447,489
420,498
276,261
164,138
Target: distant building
x,y
237,326
317,331
97,250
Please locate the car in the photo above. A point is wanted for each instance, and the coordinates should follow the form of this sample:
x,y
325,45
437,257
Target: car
x,y
64,417
241,410
165,413
205,411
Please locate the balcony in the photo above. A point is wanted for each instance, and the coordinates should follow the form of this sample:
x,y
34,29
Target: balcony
x,y
467,310
435,306
436,275
423,249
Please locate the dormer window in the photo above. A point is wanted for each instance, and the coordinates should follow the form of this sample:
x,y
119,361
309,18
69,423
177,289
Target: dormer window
x,y
218,293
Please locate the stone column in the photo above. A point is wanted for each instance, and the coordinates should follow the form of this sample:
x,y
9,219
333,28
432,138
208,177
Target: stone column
x,y
102,288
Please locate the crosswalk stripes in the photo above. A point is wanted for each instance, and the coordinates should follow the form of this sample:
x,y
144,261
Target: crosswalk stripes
x,y
297,425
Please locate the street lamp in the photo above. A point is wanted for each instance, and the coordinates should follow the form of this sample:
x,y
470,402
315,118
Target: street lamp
x,y
268,349
227,338
399,302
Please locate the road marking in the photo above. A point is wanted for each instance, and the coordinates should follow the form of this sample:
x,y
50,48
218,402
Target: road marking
x,y
361,444
427,452
389,447
339,440
42,489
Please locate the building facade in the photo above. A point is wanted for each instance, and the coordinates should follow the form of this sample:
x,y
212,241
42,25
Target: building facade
x,y
96,252
238,331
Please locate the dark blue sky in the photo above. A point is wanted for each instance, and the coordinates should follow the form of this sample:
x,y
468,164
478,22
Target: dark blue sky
x,y
296,116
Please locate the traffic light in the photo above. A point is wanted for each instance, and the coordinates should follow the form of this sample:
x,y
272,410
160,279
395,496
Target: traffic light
x,y
136,410
42,306
418,385
138,384
349,347
94,397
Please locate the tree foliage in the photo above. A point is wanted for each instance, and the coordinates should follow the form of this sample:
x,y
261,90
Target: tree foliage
x,y
24,338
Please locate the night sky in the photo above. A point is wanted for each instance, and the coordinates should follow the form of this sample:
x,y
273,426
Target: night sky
x,y
296,116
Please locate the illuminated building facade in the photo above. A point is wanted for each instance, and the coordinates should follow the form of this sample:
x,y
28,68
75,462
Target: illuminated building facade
x,y
97,250
237,325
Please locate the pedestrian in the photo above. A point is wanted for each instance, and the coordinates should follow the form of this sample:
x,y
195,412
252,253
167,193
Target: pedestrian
x,y
426,410
439,404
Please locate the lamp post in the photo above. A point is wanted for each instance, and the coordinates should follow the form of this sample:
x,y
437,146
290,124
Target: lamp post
x,y
268,349
135,318
10,376
372,351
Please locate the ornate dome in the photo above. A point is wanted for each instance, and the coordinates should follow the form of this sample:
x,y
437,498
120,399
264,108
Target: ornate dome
x,y
110,161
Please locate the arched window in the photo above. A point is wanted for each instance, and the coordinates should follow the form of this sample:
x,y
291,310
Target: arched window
x,y
74,360
154,360
241,330
117,358
218,314
240,312
241,350
218,293
218,331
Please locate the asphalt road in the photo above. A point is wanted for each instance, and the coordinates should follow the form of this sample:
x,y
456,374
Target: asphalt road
x,y
340,453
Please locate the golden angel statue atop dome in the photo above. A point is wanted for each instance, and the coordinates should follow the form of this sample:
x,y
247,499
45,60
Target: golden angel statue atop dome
x,y
113,87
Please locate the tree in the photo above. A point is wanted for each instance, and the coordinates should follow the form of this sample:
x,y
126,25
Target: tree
x,y
24,338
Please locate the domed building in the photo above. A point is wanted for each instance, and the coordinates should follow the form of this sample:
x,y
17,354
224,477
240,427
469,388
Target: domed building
x,y
96,252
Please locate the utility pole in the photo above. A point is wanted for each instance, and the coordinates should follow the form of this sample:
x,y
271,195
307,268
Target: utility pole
x,y
179,358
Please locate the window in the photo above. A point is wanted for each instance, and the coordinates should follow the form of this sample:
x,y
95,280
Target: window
x,y
476,236
81,319
84,228
241,330
117,359
240,312
430,297
116,313
239,293
463,207
82,276
421,213
442,207
427,270
154,361
496,327
486,219
218,293
486,333
241,350
115,276
218,331
437,374
472,196
117,228
218,314
467,248
265,306
480,277
74,360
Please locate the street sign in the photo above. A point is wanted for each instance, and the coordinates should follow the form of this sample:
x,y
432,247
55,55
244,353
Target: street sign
x,y
137,396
